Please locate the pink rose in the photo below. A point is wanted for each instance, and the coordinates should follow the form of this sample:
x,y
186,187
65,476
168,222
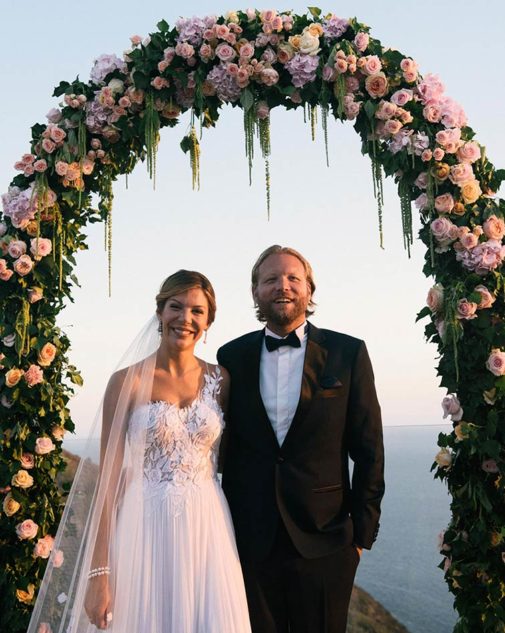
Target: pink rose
x,y
386,110
43,547
40,165
441,228
469,240
444,203
184,50
158,83
401,97
23,265
40,247
136,40
48,145
27,529
487,299
466,309
496,362
460,173
451,406
61,168
438,154
27,461
376,85
494,228
33,376
372,65
16,248
432,112
421,182
43,445
225,52
469,152
426,155
54,115
269,76
490,466
246,51
361,41
435,299
56,134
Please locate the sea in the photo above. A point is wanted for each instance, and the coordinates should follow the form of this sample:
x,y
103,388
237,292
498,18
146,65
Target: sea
x,y
401,570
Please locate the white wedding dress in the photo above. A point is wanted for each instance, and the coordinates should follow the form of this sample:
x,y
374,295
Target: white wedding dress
x,y
183,560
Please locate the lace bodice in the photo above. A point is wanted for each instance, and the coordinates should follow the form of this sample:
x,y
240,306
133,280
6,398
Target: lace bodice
x,y
180,443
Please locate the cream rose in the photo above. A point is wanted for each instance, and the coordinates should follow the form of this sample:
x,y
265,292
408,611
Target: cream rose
x,y
444,458
44,445
10,505
308,44
496,362
22,479
46,355
435,299
13,376
27,530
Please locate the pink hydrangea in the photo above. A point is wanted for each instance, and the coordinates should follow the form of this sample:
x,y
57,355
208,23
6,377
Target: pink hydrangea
x,y
104,65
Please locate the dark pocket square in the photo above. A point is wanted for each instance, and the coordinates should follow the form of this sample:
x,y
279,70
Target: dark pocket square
x,y
329,382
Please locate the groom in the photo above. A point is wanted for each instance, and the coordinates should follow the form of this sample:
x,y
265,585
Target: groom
x,y
302,402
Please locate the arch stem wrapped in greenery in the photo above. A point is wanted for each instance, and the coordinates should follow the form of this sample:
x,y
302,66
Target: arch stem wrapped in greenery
x,y
256,61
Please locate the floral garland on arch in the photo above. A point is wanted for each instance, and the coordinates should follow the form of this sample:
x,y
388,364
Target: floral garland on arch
x,y
256,61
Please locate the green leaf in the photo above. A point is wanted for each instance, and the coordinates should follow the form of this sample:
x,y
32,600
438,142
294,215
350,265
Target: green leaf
x,y
370,109
140,80
163,26
247,99
423,313
315,11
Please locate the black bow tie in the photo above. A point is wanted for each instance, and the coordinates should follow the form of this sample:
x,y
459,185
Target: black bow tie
x,y
273,343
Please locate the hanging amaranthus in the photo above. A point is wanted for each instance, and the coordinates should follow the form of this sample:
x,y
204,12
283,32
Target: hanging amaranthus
x,y
152,136
264,136
406,212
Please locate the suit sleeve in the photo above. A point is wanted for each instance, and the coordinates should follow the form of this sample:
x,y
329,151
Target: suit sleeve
x,y
222,360
366,450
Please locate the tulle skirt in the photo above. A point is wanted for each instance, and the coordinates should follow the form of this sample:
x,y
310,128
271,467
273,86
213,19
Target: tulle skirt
x,y
180,572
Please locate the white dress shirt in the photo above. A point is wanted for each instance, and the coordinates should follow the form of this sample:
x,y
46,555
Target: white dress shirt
x,y
281,373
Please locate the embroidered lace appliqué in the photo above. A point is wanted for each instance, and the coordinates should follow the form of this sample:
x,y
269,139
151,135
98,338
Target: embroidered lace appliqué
x,y
181,443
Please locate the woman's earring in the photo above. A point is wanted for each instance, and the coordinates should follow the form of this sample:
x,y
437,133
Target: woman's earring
x,y
160,327
205,336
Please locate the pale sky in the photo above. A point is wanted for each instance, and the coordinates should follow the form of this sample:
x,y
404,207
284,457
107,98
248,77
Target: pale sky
x,y
329,214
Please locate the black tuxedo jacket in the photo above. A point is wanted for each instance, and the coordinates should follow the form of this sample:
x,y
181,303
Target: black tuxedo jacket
x,y
306,481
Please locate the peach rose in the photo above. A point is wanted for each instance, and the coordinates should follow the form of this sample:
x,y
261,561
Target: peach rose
x,y
46,355
35,294
23,265
496,362
44,445
13,376
441,171
435,299
494,228
461,432
487,299
58,432
470,191
33,375
22,479
458,209
43,547
26,597
27,460
376,85
10,505
27,530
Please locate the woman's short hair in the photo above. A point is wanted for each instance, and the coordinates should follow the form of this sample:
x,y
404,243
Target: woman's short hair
x,y
184,280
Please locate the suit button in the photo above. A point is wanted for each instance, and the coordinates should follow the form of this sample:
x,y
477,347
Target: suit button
x,y
280,459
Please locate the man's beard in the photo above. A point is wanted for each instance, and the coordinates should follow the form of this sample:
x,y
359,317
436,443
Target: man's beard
x,y
271,314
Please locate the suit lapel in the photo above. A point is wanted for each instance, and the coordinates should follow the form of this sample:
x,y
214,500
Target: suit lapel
x,y
313,368
258,412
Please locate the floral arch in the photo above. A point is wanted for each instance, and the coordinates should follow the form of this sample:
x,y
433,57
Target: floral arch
x,y
256,61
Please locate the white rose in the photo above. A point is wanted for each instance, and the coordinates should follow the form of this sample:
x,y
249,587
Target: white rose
x,y
117,86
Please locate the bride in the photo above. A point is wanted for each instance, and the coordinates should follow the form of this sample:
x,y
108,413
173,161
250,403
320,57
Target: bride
x,y
146,539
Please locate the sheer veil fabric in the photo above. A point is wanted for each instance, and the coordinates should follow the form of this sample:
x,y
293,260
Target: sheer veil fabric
x,y
91,533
